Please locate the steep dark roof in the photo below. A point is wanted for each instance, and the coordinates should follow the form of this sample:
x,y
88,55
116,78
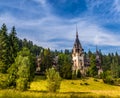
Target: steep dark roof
x,y
77,43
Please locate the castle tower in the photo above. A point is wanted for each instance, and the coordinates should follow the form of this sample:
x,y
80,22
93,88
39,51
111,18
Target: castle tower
x,y
78,56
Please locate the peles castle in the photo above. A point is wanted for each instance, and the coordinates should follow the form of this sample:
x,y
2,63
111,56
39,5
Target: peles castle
x,y
80,61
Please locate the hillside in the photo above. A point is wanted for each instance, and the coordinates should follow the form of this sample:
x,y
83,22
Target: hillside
x,y
88,86
69,88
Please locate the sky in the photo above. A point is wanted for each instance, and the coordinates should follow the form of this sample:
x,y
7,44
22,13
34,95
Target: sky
x,y
52,23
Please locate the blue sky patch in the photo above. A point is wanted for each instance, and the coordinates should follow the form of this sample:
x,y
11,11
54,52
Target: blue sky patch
x,y
52,23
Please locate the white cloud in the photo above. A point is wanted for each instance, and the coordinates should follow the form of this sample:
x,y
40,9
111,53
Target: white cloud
x,y
43,29
116,5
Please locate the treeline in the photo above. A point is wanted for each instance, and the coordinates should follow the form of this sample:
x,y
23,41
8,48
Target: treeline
x,y
18,61
109,63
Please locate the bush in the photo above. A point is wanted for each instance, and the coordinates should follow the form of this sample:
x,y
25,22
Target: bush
x,y
3,81
22,84
109,80
2,67
117,82
53,80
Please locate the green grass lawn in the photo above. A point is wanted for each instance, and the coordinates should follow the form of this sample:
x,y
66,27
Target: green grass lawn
x,y
69,88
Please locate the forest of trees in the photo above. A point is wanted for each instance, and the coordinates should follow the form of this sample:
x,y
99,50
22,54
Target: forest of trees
x,y
18,62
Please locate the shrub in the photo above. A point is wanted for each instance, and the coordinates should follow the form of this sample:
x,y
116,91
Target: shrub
x,y
53,80
117,82
3,81
22,84
2,67
108,80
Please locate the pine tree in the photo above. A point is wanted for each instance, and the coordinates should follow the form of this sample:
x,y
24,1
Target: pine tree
x,y
13,43
64,61
114,69
93,71
4,46
47,59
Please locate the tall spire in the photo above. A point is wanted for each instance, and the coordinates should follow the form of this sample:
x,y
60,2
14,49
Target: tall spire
x,y
96,48
97,51
76,31
77,43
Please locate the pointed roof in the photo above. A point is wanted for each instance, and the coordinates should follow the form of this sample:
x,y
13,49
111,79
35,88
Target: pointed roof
x,y
97,52
77,43
76,31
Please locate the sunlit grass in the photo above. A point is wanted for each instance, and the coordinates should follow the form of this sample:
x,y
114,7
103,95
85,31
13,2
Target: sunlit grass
x,y
69,89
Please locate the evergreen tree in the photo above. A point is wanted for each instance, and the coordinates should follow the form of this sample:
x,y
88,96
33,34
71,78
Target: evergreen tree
x,y
93,71
64,61
114,69
13,43
4,46
46,59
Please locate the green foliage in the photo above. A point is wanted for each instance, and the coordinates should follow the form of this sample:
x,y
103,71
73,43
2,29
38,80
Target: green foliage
x,y
114,69
4,46
66,71
13,45
25,60
24,68
107,78
3,81
64,61
53,80
22,84
46,59
117,81
2,67
12,75
20,71
92,71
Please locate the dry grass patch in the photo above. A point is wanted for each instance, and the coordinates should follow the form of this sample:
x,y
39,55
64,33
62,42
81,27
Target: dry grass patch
x,y
68,89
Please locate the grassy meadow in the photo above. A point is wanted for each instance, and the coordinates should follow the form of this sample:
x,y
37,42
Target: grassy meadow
x,y
69,88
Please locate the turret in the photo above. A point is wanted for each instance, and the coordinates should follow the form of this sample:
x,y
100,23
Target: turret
x,y
78,55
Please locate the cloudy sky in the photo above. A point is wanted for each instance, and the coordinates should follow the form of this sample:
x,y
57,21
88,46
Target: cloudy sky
x,y
52,23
